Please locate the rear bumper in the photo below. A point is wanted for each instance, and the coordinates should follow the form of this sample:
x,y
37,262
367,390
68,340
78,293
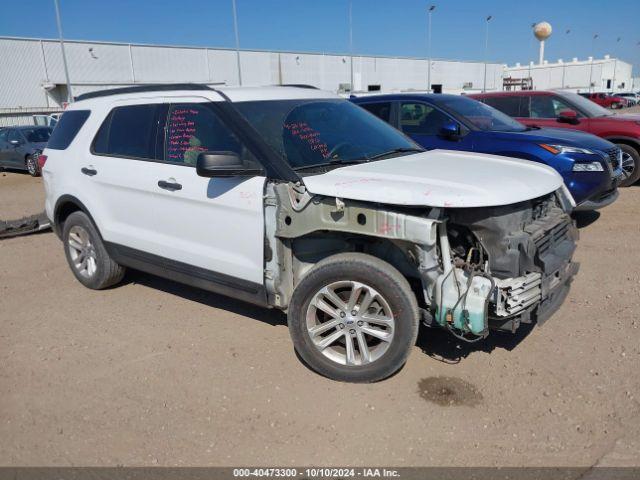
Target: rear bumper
x,y
598,202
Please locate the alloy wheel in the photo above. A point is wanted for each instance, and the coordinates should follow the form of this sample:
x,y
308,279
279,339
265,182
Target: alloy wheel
x,y
32,166
628,165
350,323
82,251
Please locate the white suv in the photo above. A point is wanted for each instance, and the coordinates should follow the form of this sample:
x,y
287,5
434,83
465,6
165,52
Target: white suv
x,y
296,199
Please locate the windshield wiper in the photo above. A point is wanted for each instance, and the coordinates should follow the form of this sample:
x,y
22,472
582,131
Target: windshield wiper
x,y
335,162
396,150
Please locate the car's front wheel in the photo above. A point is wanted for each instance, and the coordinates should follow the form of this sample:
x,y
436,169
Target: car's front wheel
x,y
630,165
89,260
353,318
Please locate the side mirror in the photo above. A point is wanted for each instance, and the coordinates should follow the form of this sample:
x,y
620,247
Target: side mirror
x,y
450,130
568,116
223,164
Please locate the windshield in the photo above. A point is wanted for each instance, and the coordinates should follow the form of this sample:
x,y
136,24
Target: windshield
x,y
480,115
321,132
37,135
586,106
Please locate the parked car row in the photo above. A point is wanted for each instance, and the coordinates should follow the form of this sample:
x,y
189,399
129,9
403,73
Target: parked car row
x,y
560,109
590,166
612,100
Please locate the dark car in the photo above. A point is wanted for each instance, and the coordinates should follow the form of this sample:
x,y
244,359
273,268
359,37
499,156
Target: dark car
x,y
21,146
589,165
567,110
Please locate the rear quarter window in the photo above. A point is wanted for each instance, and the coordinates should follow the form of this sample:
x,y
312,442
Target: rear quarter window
x,y
67,128
130,132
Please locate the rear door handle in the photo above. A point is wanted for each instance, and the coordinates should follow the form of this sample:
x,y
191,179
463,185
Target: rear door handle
x,y
89,171
171,186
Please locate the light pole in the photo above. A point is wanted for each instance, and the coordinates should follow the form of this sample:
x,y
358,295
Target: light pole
x,y
430,11
533,49
235,29
64,55
564,65
351,40
593,48
615,64
486,52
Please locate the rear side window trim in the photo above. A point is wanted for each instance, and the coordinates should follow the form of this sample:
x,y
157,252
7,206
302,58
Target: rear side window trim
x,y
68,141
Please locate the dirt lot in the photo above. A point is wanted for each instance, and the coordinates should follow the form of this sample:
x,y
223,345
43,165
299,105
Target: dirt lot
x,y
154,373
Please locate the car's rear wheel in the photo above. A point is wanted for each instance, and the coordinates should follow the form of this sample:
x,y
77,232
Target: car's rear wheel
x,y
31,164
89,260
630,165
353,318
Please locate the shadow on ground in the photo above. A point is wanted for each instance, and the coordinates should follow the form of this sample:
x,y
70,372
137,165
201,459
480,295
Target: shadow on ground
x,y
441,345
435,342
272,317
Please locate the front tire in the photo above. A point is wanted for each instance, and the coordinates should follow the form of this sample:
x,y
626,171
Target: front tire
x,y
630,164
86,255
353,318
31,164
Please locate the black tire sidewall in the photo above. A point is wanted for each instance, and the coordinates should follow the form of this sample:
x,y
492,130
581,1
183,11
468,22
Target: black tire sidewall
x,y
98,280
636,157
36,172
390,284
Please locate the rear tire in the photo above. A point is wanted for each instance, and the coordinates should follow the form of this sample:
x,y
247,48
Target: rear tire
x,y
630,164
353,318
31,165
86,255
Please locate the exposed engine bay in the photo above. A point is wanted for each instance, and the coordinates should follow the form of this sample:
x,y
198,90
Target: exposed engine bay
x,y
472,269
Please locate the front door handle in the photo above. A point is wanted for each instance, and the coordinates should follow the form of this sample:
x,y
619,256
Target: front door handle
x,y
171,186
89,171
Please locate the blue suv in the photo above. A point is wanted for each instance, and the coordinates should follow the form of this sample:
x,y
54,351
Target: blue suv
x,y
589,165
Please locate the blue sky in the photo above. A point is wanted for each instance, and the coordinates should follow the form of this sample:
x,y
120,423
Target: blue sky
x,y
391,27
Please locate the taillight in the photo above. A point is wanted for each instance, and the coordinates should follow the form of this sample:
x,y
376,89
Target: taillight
x,y
42,159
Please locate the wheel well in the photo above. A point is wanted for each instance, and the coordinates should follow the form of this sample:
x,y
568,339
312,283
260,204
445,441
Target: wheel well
x,y
312,248
626,141
64,211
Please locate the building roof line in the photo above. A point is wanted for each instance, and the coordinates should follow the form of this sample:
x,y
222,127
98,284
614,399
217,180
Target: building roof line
x,y
257,50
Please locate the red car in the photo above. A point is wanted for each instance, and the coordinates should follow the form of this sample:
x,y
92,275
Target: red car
x,y
606,100
569,110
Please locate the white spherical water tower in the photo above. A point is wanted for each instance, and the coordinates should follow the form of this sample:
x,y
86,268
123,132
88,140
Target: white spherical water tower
x,y
542,31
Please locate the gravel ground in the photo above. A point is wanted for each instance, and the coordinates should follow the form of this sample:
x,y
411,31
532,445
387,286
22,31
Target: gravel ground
x,y
155,373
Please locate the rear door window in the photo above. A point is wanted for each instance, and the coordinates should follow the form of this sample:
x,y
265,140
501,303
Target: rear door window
x,y
67,128
130,132
509,105
421,119
381,110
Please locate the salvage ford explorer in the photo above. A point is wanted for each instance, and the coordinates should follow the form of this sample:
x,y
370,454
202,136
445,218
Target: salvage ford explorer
x,y
295,199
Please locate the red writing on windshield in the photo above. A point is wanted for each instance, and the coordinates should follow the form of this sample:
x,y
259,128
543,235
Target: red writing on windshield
x,y
307,134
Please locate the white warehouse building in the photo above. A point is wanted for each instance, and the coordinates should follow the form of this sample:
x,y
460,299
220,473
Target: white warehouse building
x,y
32,78
597,75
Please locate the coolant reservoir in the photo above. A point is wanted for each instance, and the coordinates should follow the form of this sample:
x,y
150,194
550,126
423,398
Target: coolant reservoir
x,y
451,302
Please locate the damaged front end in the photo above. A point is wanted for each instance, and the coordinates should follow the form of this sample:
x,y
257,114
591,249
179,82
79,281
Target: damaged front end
x,y
472,269
528,249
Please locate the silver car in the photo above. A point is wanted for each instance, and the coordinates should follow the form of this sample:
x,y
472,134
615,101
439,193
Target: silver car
x,y
21,146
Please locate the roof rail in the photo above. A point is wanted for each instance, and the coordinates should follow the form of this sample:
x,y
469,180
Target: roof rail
x,y
298,85
164,87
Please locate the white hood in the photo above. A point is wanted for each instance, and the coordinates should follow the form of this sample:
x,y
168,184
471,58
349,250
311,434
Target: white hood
x,y
439,178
